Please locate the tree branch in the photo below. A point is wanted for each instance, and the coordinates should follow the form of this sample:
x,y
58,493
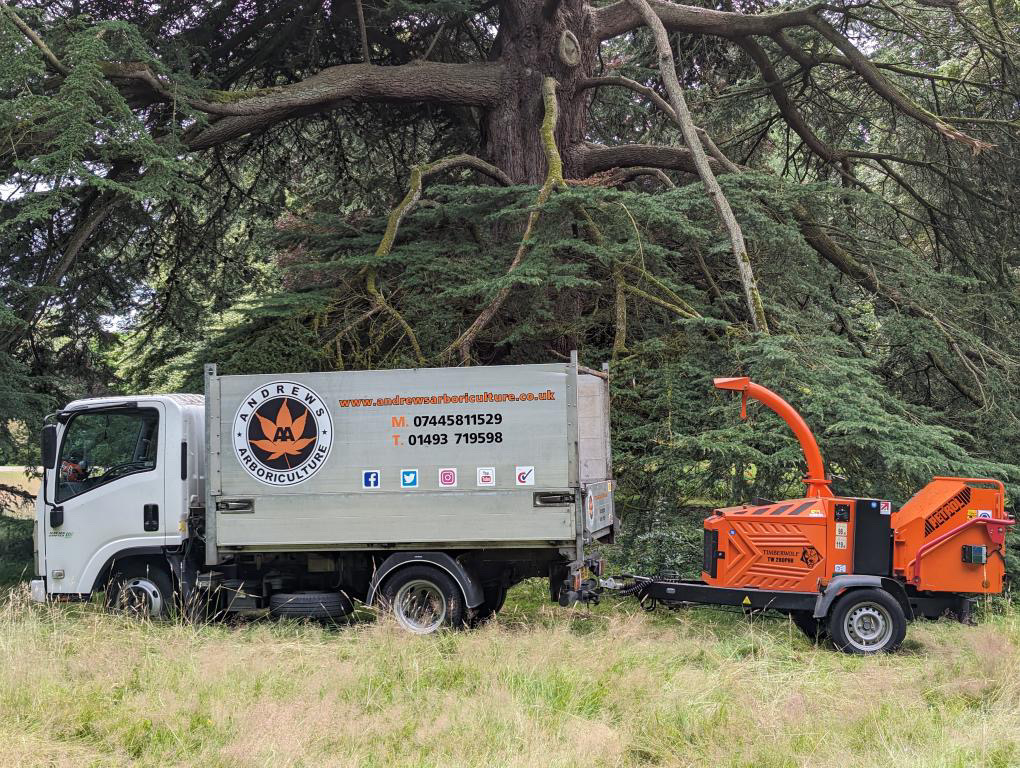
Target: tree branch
x,y
363,32
594,158
663,105
722,205
37,41
884,88
614,177
419,175
787,108
620,17
845,262
479,84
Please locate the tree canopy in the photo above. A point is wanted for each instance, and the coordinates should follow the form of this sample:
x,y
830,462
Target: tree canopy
x,y
821,196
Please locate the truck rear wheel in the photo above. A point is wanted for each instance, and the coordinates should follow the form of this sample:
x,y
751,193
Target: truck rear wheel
x,y
867,621
495,596
424,599
141,588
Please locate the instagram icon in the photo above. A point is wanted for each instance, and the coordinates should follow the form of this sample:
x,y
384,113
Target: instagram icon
x,y
448,477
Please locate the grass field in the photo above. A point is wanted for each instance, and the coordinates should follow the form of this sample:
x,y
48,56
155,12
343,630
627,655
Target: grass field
x,y
16,476
540,686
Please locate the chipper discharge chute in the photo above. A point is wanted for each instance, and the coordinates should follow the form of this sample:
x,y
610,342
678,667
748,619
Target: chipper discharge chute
x,y
851,568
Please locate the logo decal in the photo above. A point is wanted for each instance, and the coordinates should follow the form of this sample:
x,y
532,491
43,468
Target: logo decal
x,y
810,557
937,518
486,477
525,475
282,433
409,478
448,477
370,478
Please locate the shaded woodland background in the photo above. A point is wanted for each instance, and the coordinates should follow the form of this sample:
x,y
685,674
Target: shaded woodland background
x,y
196,182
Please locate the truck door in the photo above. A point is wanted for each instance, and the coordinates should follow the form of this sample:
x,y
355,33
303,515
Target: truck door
x,y
108,484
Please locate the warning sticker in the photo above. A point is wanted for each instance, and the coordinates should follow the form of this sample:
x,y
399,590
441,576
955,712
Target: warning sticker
x,y
841,542
839,569
886,508
841,529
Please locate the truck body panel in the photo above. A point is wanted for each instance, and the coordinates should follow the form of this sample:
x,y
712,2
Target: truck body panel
x,y
486,455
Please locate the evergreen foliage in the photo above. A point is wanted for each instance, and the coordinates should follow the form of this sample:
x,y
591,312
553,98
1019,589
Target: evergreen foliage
x,y
837,354
130,260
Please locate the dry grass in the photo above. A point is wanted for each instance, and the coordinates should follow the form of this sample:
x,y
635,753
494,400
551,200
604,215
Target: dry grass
x,y
541,686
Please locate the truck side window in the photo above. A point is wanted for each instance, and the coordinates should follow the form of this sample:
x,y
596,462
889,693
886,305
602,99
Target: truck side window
x,y
101,446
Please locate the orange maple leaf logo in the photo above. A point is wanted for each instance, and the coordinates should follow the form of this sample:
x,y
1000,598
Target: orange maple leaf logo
x,y
283,437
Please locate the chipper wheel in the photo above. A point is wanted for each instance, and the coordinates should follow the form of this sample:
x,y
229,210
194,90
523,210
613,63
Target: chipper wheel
x,y
867,621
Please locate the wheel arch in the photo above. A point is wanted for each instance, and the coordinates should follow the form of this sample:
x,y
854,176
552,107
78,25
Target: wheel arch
x,y
469,586
155,554
840,585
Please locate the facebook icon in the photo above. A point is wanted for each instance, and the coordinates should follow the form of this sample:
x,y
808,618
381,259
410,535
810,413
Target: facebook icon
x,y
370,478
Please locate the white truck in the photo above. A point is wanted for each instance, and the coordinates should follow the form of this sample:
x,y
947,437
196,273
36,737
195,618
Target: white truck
x,y
429,491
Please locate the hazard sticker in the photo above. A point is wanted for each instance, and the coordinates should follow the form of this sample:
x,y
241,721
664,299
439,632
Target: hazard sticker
x,y
841,542
886,508
815,513
841,529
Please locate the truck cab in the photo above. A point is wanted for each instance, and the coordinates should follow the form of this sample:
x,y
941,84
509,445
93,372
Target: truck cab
x,y
124,473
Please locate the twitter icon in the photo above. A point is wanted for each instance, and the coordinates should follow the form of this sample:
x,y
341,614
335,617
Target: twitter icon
x,y
409,478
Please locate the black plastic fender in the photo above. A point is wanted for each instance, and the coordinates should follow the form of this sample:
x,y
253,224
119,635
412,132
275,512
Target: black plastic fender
x,y
473,595
841,584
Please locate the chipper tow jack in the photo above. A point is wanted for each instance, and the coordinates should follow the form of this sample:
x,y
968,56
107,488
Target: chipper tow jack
x,y
854,569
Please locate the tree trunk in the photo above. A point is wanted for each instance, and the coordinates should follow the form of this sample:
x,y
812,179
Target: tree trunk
x,y
530,47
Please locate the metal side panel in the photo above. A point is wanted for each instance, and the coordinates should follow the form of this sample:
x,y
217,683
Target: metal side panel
x,y
440,455
394,518
593,429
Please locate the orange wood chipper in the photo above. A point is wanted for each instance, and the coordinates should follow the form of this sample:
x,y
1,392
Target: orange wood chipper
x,y
854,569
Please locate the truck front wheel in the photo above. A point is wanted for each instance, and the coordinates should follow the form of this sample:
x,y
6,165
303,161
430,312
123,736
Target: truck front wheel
x,y
867,621
424,599
140,588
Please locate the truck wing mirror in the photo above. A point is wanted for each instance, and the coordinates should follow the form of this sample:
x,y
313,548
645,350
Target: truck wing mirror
x,y
49,446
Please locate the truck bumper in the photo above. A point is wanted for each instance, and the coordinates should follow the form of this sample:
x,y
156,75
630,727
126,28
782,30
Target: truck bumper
x,y
38,589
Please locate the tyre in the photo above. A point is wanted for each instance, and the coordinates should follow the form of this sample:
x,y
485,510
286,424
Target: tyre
x,y
495,596
141,588
310,605
423,599
867,621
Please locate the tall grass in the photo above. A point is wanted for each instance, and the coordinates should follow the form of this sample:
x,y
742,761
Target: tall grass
x,y
15,549
540,686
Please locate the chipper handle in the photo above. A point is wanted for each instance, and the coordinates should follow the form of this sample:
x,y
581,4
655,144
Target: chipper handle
x,y
816,482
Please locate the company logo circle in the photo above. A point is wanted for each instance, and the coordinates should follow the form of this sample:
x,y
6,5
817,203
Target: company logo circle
x,y
282,433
